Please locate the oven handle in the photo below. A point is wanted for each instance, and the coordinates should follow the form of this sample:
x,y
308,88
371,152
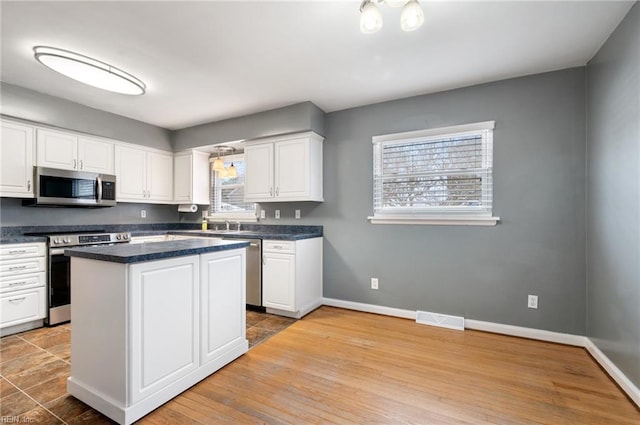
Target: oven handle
x,y
56,251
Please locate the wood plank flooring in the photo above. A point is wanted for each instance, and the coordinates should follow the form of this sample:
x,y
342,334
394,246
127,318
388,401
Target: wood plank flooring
x,y
345,367
339,366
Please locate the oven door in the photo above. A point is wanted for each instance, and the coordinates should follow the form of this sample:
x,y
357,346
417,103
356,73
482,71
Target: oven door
x,y
59,287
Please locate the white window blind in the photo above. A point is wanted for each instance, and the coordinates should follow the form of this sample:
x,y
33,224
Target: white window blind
x,y
227,193
441,172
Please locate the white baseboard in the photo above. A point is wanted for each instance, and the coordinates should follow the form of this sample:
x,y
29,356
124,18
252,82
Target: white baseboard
x,y
370,308
561,338
616,374
522,332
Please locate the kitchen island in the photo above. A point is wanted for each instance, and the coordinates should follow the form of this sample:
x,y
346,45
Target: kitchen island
x,y
151,320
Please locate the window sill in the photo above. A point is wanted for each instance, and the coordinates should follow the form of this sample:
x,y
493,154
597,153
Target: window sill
x,y
230,217
435,220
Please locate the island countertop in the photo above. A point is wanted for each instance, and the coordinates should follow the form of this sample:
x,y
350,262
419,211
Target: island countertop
x,y
138,253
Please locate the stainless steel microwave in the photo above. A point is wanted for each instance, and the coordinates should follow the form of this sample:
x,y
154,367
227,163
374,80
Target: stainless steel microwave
x,y
73,188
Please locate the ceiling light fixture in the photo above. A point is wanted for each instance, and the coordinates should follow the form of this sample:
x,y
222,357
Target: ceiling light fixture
x,y
218,163
411,17
88,70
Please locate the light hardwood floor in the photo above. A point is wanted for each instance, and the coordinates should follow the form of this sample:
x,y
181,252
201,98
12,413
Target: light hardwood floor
x,y
340,366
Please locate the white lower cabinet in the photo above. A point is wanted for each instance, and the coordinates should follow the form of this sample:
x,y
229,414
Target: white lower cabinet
x,y
23,298
279,277
143,333
22,306
292,276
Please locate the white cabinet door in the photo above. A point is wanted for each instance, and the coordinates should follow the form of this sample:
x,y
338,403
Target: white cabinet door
x,y
222,295
258,182
22,306
182,174
95,155
16,160
292,169
164,324
131,173
159,177
57,150
278,281
191,175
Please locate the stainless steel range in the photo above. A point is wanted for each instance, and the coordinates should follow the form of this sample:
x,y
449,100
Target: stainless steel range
x,y
59,275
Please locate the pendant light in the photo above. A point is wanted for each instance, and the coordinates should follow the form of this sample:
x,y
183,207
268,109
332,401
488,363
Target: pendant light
x,y
218,164
232,171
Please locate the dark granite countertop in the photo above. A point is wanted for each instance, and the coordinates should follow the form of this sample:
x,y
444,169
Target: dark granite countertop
x,y
22,239
250,234
138,253
23,234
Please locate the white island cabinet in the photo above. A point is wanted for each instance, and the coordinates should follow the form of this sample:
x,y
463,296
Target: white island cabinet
x,y
144,332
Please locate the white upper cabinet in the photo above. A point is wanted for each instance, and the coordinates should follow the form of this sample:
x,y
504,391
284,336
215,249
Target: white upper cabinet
x,y
16,160
191,178
143,175
258,182
284,169
95,155
68,151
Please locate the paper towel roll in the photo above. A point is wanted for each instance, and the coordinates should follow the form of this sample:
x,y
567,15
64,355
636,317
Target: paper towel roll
x,y
187,208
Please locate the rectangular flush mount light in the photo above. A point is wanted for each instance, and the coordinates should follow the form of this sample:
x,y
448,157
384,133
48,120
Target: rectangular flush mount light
x,y
88,70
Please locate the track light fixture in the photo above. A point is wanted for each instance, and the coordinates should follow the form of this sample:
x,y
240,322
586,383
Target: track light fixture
x,y
411,17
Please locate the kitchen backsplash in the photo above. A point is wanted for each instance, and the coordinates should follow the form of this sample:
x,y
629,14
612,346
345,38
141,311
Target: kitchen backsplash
x,y
12,213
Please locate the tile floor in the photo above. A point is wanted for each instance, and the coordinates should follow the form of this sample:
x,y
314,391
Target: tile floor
x,y
34,367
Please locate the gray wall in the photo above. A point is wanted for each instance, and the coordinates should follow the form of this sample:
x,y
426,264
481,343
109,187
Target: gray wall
x,y
12,213
613,207
482,273
30,105
289,119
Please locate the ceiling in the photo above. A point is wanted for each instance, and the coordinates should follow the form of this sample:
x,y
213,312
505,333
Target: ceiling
x,y
207,61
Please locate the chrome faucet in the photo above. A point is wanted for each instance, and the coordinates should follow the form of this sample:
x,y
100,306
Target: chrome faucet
x,y
227,223
238,223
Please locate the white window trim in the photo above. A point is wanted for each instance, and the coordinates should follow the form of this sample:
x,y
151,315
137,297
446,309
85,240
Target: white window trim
x,y
243,217
434,219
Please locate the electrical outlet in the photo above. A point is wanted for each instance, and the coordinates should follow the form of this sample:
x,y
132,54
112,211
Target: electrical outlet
x,y
204,213
143,213
277,214
374,283
532,301
297,214
263,214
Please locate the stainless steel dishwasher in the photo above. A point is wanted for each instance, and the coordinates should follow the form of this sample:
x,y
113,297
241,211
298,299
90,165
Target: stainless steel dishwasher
x,y
254,272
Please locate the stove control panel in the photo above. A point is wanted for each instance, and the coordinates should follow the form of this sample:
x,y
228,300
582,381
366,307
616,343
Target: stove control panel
x,y
89,239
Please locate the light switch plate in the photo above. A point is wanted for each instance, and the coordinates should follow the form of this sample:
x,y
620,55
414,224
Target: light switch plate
x,y
263,214
277,214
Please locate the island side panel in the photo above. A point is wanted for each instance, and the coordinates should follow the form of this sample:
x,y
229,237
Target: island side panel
x,y
308,275
223,304
98,331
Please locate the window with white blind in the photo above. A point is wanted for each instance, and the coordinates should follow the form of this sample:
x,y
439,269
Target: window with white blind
x,y
436,176
227,193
